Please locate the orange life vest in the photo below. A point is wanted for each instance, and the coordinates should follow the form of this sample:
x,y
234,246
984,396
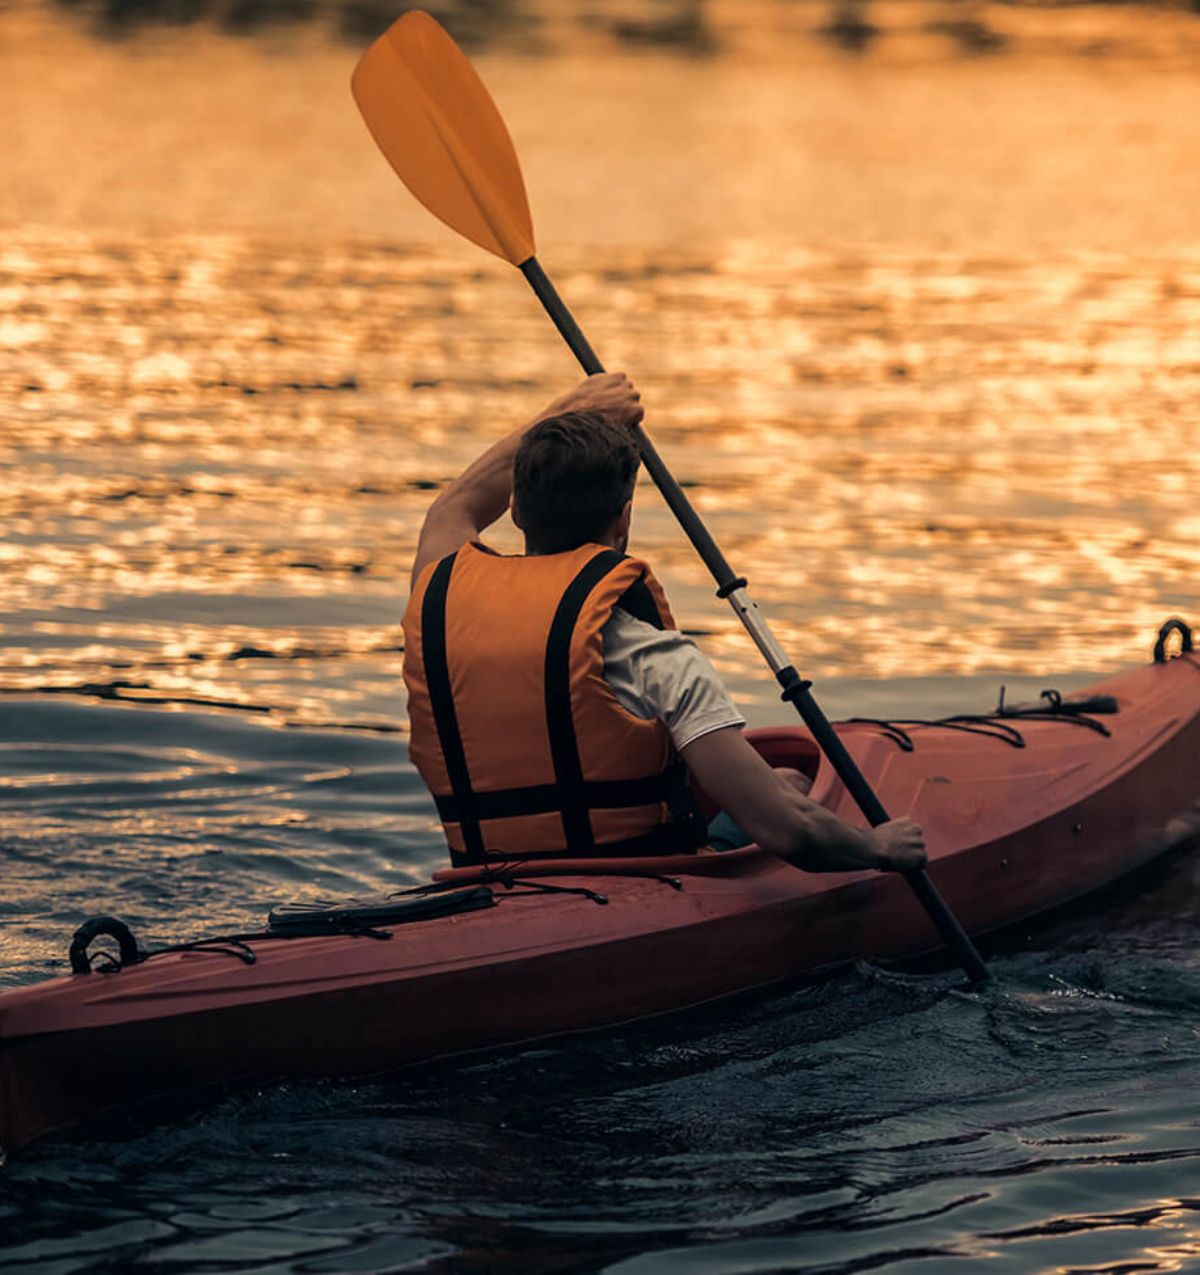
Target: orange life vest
x,y
521,741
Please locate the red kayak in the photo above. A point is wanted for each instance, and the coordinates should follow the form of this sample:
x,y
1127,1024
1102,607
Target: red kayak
x,y
1022,810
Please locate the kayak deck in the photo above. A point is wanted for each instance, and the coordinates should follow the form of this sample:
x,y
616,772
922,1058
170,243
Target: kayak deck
x,y
1012,830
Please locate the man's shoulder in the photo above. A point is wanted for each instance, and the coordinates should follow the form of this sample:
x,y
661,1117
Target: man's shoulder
x,y
630,632
662,673
656,657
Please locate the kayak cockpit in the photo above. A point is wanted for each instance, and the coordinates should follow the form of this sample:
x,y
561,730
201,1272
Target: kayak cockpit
x,y
781,746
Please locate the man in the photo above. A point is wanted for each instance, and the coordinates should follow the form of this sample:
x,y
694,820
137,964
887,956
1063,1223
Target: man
x,y
551,695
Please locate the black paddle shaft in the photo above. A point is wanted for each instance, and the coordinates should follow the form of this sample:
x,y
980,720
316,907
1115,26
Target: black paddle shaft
x,y
796,690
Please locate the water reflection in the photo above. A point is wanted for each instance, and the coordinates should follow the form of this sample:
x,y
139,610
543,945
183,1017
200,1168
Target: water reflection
x,y
221,453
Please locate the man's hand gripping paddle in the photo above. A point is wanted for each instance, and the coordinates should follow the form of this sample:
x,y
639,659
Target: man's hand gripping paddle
x,y
440,130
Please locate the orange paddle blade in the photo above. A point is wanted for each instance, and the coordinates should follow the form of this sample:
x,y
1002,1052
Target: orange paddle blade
x,y
440,130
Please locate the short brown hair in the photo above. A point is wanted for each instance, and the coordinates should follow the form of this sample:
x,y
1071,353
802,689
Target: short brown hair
x,y
571,478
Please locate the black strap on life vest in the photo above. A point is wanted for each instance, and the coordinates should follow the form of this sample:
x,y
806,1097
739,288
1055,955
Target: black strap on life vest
x,y
560,718
545,799
667,838
639,602
570,795
441,700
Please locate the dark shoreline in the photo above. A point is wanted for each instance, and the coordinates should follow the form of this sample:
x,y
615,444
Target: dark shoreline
x,y
698,28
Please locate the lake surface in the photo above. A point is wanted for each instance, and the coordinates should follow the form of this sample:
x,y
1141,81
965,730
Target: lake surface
x,y
921,335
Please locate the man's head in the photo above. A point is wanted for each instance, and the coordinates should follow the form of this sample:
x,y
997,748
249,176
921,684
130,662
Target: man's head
x,y
573,482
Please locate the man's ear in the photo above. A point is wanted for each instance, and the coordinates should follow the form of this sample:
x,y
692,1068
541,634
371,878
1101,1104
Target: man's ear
x,y
618,531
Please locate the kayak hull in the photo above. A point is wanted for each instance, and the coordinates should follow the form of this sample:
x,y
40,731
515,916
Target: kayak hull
x,y
1012,831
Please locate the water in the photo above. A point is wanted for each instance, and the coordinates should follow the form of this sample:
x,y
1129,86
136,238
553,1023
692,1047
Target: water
x,y
930,374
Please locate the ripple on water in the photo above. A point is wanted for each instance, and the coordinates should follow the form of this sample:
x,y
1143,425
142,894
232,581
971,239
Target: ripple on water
x,y
873,1121
182,820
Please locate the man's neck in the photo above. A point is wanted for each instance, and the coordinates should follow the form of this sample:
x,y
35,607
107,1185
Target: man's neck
x,y
532,551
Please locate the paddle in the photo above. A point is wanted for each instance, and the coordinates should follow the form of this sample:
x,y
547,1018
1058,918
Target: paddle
x,y
440,130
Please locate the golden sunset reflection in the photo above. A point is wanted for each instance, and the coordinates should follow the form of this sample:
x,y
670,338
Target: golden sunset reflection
x,y
939,440
956,492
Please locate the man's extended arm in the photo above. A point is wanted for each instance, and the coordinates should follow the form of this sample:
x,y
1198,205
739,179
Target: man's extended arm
x,y
480,494
783,821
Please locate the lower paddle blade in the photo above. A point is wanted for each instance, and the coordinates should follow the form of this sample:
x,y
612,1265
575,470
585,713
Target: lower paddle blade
x,y
439,129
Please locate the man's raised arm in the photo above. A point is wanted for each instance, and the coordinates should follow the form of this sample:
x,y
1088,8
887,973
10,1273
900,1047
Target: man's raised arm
x,y
480,494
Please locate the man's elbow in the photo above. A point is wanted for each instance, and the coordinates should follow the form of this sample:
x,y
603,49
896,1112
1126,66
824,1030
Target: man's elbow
x,y
801,853
446,506
805,845
785,838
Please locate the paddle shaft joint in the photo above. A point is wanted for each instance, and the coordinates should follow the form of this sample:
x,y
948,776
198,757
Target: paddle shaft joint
x,y
732,587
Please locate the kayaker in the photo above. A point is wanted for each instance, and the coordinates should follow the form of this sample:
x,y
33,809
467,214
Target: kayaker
x,y
551,696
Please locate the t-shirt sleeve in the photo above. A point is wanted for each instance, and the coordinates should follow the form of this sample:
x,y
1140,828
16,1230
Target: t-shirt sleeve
x,y
660,673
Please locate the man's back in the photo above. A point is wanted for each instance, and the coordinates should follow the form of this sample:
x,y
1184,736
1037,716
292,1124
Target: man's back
x,y
518,734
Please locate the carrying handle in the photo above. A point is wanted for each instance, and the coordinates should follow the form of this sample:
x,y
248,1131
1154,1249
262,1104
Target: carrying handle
x,y
1173,625
92,929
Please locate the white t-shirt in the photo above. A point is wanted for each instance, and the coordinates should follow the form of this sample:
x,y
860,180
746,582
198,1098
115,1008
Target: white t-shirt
x,y
660,673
